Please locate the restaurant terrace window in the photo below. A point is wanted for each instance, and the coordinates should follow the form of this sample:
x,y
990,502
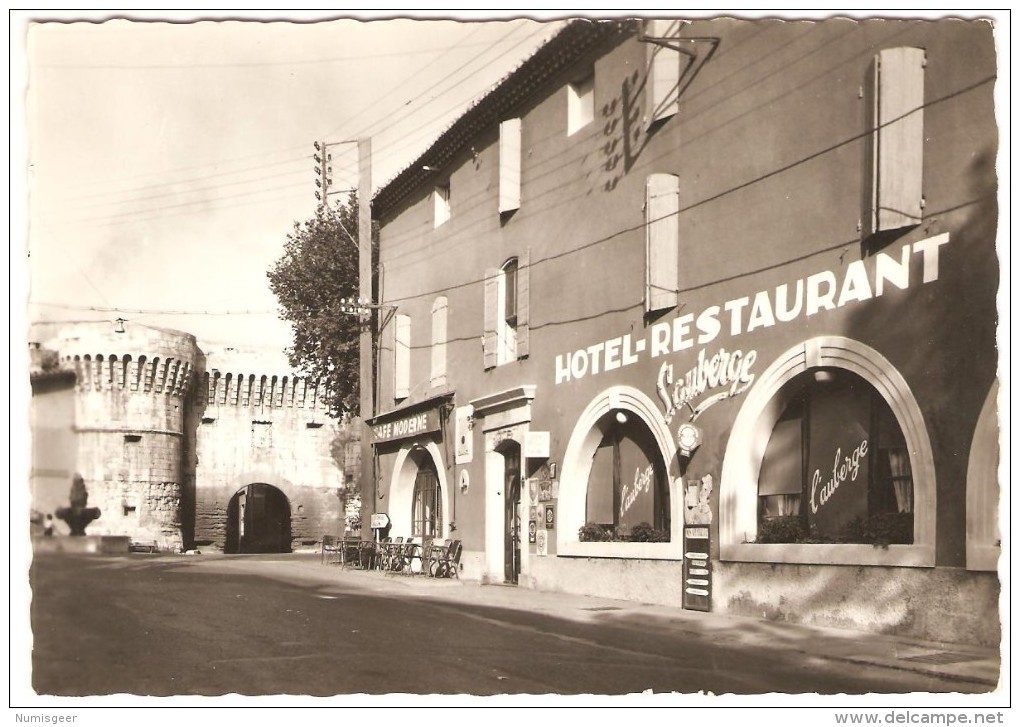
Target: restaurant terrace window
x,y
427,504
836,468
628,493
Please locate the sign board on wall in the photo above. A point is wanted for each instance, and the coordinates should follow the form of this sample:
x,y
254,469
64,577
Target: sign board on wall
x,y
697,570
536,445
411,425
462,434
380,520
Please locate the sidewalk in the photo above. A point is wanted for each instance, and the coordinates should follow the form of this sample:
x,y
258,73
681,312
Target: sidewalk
x,y
978,665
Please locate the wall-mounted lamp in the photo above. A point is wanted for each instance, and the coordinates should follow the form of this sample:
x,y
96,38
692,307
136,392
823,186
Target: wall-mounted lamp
x,y
621,417
119,325
824,377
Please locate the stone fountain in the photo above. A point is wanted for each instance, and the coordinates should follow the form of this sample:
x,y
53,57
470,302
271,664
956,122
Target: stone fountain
x,y
78,516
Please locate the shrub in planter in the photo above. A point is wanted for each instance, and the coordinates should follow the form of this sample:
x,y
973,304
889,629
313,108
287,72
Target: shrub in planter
x,y
783,529
645,533
595,533
893,528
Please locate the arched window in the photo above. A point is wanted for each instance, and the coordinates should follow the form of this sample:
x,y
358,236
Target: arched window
x,y
427,503
836,468
628,491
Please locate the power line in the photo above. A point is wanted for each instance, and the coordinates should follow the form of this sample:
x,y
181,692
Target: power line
x,y
252,64
155,311
392,123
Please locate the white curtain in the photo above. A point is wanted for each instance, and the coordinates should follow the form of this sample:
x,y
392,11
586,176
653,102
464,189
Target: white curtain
x,y
899,466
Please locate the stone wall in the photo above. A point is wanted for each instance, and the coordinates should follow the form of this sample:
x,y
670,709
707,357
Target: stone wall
x,y
268,428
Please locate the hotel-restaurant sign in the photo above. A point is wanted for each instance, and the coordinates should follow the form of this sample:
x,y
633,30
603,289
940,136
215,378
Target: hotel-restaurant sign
x,y
409,425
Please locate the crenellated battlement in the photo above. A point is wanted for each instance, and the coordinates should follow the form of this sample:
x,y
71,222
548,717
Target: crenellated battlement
x,y
264,390
144,374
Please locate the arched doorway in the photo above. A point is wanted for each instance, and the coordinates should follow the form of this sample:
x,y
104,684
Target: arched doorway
x,y
258,520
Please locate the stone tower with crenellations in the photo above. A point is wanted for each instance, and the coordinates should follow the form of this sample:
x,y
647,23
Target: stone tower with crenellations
x,y
131,392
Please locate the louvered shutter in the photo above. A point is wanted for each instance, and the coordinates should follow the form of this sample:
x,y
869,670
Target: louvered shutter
x,y
897,140
509,165
439,310
401,356
663,86
523,303
662,233
489,336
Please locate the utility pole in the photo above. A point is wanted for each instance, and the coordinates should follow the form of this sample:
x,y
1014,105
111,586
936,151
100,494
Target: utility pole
x,y
324,170
369,484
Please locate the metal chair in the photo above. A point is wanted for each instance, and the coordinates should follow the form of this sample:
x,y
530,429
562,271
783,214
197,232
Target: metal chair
x,y
437,554
331,548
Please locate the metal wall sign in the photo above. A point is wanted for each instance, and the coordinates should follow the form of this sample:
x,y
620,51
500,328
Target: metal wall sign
x,y
697,570
411,425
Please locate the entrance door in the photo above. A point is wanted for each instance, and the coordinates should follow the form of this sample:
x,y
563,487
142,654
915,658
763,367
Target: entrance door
x,y
512,514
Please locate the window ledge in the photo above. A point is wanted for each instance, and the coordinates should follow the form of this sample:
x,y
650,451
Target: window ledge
x,y
631,551
916,556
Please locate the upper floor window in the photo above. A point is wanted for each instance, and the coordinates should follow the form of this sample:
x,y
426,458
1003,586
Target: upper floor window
x,y
506,313
896,95
441,203
580,104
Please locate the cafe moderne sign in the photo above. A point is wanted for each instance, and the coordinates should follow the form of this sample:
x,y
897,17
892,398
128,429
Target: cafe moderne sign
x,y
409,425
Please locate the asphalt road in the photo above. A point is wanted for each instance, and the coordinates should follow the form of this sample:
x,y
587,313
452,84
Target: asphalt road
x,y
160,625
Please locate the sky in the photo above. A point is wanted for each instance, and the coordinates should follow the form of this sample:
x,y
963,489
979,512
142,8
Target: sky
x,y
168,161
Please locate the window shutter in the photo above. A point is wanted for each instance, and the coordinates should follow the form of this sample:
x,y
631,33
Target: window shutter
x,y
663,86
401,356
523,302
897,139
439,309
509,165
489,339
662,233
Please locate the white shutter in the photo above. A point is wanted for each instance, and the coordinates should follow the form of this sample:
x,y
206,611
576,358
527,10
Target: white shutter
x,y
509,165
523,303
662,233
897,139
663,85
439,308
401,356
489,336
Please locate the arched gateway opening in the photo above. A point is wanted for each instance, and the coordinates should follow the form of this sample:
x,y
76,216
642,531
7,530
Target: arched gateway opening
x,y
258,520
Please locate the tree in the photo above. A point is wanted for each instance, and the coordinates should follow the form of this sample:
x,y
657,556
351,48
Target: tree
x,y
318,269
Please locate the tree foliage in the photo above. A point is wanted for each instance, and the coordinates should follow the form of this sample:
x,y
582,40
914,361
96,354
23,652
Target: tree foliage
x,y
318,269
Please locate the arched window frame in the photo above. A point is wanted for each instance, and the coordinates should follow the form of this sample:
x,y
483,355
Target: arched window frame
x,y
738,487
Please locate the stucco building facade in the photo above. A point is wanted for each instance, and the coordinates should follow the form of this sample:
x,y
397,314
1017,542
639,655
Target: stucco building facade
x,y
703,314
